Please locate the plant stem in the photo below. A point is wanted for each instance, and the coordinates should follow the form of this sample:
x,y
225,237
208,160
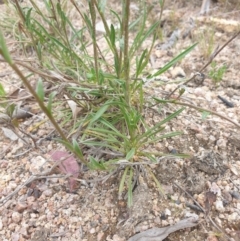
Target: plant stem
x,y
40,103
93,32
126,52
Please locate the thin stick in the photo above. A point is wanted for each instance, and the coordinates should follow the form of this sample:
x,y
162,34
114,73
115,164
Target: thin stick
x,y
206,65
35,177
189,195
210,111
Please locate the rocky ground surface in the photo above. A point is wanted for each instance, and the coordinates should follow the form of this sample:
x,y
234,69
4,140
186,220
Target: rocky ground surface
x,y
206,184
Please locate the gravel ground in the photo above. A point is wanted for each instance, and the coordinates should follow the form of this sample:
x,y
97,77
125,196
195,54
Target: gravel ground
x,y
206,184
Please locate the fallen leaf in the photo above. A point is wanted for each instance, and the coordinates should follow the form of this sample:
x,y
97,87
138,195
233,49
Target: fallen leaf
x,y
210,199
9,134
74,107
159,234
69,165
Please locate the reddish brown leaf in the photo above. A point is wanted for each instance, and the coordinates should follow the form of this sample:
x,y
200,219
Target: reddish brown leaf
x,y
210,199
69,165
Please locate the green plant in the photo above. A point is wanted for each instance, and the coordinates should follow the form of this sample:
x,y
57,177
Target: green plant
x,y
216,73
104,83
206,38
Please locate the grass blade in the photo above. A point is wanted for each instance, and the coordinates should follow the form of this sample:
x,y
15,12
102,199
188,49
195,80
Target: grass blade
x,y
174,61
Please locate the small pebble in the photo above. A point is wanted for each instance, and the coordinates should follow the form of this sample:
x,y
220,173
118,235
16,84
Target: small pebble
x,y
12,226
232,217
16,217
167,212
48,193
21,206
219,206
92,230
235,195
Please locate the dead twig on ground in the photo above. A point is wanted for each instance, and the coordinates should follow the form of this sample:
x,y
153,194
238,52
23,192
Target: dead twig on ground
x,y
215,53
206,215
36,177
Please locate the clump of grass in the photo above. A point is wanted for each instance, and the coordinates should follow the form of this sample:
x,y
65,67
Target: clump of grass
x,y
216,73
206,38
105,83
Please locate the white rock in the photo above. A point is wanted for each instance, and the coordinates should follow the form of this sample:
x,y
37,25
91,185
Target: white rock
x,y
48,193
212,138
232,217
178,72
219,206
36,165
167,212
16,217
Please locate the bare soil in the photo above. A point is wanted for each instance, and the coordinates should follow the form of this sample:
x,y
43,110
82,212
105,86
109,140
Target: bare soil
x,y
207,183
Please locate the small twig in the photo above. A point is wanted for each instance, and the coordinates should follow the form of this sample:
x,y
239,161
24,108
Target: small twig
x,y
28,135
210,111
219,229
33,178
189,195
199,109
206,65
23,153
206,216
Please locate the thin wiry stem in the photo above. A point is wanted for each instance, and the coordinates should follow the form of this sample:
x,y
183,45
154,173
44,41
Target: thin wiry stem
x,y
93,32
126,52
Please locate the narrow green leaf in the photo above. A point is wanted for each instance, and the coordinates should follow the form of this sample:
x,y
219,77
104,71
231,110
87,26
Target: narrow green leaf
x,y
174,61
40,90
170,117
122,182
130,188
10,109
139,63
50,99
77,149
101,144
95,165
130,154
157,182
112,35
68,145
99,113
141,37
110,126
28,19
148,141
4,50
163,101
2,91
102,5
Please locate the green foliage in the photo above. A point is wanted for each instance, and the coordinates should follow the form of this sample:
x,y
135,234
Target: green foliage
x,y
109,92
206,38
216,73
